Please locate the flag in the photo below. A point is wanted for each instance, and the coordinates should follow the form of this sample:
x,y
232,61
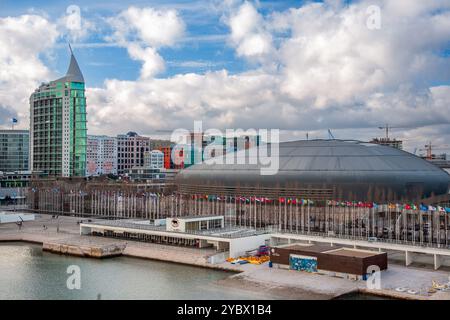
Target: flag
x,y
431,208
441,209
14,120
447,210
423,208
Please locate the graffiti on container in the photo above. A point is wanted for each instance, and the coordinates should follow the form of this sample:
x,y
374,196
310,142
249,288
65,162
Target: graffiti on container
x,y
303,263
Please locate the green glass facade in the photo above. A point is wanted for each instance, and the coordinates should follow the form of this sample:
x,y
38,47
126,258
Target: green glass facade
x,y
58,125
78,128
14,150
46,118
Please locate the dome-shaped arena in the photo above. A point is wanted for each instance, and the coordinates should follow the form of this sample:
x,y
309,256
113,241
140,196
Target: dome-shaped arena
x,y
322,169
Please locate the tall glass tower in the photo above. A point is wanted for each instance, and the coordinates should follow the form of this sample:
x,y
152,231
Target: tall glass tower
x,y
58,133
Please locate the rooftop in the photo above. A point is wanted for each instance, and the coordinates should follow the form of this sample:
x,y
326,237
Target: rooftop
x,y
197,217
230,232
353,253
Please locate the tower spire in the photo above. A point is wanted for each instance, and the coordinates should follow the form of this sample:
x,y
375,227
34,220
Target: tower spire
x,y
73,72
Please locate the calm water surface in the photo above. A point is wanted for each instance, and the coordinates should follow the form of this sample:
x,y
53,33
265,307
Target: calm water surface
x,y
26,272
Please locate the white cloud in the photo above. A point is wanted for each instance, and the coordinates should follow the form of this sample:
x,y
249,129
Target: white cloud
x,y
315,67
333,72
22,40
143,31
152,61
248,34
332,58
75,25
156,28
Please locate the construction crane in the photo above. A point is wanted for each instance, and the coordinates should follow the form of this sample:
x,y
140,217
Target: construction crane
x,y
430,147
387,127
330,135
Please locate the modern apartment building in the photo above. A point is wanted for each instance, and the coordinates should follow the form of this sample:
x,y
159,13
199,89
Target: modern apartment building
x,y
154,159
14,150
131,149
58,125
101,155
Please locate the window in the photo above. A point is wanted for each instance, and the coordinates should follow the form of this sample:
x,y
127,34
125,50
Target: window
x,y
215,224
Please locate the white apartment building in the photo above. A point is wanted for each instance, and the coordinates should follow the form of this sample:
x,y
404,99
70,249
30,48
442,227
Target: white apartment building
x,y
154,159
101,154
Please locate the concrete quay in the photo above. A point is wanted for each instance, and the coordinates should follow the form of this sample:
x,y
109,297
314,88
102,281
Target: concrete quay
x,y
83,248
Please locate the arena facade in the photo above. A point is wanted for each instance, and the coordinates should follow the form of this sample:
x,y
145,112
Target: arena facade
x,y
323,170
347,189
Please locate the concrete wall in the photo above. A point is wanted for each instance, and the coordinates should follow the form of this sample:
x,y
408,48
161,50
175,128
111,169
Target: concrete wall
x,y
239,246
218,258
15,217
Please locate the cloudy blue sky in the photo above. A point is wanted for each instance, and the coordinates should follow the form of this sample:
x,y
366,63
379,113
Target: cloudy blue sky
x,y
299,66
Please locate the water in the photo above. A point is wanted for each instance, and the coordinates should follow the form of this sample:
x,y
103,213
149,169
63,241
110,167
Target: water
x,y
26,272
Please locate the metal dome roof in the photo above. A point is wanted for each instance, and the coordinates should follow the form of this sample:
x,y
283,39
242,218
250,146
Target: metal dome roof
x,y
350,168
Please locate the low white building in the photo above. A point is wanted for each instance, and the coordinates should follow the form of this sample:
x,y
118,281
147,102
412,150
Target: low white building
x,y
232,241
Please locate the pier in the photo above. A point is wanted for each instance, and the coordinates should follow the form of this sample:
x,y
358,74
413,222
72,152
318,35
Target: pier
x,y
84,248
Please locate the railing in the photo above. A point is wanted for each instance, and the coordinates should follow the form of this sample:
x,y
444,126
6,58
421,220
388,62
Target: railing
x,y
382,240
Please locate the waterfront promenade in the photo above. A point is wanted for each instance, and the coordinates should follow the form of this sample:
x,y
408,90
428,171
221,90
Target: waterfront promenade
x,y
279,283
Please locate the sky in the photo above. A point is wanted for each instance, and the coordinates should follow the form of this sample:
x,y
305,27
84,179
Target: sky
x,y
298,66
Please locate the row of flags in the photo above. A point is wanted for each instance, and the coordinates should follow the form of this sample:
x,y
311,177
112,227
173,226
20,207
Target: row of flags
x,y
296,201
348,204
408,206
252,199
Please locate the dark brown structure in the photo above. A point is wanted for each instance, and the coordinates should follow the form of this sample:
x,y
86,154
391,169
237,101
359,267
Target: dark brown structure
x,y
332,259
